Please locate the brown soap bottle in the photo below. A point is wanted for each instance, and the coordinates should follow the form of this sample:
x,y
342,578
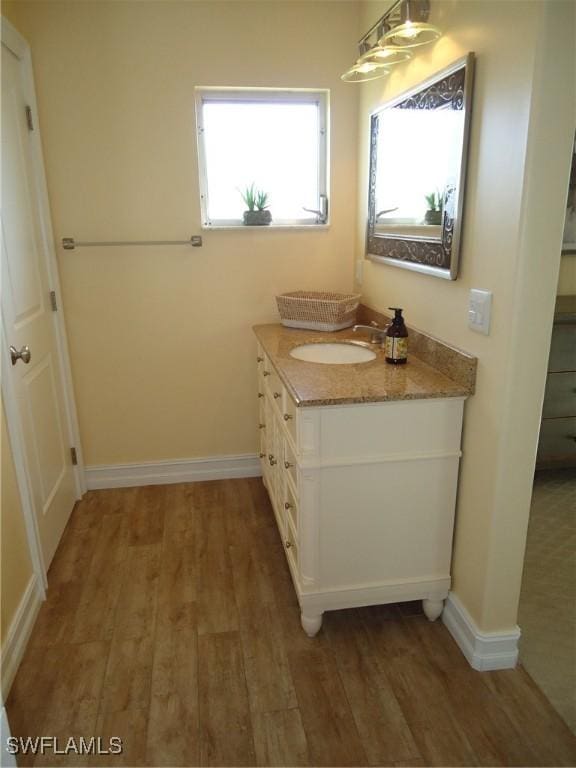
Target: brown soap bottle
x,y
396,339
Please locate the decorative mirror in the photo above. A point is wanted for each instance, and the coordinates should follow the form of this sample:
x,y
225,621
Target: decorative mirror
x,y
418,148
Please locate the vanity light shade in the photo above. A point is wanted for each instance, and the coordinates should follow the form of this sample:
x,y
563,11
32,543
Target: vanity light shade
x,y
364,70
387,55
410,34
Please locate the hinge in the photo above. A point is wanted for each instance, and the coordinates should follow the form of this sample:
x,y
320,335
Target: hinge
x,y
29,120
53,302
74,456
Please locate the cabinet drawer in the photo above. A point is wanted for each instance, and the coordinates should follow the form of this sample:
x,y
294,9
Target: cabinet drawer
x,y
260,357
289,416
557,439
388,429
291,545
263,445
272,381
291,506
275,389
290,466
563,348
560,396
261,407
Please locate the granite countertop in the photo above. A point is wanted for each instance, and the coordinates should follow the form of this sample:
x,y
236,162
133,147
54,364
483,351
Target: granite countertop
x,y
313,384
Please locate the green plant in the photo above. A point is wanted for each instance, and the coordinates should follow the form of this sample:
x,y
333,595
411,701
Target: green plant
x,y
249,196
262,200
255,199
434,200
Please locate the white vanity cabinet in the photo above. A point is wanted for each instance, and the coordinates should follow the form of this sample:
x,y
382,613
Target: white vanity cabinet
x,y
364,496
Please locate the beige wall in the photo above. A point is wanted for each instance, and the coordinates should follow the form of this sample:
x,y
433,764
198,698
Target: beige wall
x,y
16,566
517,180
160,340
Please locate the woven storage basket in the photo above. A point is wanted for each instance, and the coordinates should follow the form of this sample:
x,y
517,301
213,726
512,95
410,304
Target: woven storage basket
x,y
318,310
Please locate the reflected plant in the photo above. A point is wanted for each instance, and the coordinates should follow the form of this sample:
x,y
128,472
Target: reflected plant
x,y
434,200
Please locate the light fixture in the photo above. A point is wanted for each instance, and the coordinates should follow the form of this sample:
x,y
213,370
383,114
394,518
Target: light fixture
x,y
388,42
363,71
387,55
411,34
413,31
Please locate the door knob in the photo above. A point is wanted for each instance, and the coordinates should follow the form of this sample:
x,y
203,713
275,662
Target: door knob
x,y
24,354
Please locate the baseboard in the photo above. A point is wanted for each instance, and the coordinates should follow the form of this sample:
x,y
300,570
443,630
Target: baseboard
x,y
484,650
178,471
18,633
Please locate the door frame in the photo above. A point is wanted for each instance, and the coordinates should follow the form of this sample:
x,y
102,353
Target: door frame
x,y
20,48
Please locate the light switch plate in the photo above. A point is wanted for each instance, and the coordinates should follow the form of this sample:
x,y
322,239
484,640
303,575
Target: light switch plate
x,y
480,310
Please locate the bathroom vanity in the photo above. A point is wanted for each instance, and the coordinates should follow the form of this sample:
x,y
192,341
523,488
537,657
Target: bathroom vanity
x,y
361,465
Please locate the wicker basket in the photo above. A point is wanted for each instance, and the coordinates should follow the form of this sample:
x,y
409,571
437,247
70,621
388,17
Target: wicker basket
x,y
318,310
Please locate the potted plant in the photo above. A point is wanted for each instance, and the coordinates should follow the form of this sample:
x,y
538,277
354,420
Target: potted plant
x,y
257,204
434,213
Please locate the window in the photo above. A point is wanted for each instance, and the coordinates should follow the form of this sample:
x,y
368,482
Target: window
x,y
274,139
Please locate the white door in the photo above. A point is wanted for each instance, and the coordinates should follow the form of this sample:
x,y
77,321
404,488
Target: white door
x,y
37,384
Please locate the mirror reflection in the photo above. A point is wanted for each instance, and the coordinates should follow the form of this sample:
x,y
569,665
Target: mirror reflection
x,y
416,172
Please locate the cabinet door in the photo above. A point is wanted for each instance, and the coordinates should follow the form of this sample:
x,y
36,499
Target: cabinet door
x,y
558,441
560,396
563,348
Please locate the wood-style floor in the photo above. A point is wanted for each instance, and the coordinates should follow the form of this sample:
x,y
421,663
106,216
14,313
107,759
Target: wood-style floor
x,y
172,623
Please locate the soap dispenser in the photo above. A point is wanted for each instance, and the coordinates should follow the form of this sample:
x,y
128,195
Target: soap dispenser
x,y
396,349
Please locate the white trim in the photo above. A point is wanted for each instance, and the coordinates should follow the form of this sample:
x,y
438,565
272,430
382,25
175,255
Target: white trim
x,y
353,461
14,42
21,466
484,650
18,45
18,633
320,96
267,228
175,471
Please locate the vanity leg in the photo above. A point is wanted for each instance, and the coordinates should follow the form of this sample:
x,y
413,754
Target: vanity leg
x,y
432,608
311,623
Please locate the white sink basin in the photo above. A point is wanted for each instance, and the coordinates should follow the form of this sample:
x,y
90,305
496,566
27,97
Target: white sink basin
x,y
335,353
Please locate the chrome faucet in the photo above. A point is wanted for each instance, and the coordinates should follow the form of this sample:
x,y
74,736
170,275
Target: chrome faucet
x,y
377,334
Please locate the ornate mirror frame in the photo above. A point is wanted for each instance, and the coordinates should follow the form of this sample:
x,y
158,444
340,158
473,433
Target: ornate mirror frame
x,y
435,254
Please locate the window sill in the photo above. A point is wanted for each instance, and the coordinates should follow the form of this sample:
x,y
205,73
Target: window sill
x,y
275,227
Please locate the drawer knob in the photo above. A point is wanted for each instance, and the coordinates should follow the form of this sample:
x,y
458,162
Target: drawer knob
x,y
287,505
266,373
288,544
287,417
271,459
277,395
261,426
260,394
262,455
259,359
288,465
